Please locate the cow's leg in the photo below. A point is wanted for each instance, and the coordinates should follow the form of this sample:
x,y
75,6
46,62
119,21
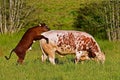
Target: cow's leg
x,y
78,56
52,58
44,57
51,55
50,52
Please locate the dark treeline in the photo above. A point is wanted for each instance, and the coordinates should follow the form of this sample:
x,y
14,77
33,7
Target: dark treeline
x,y
101,19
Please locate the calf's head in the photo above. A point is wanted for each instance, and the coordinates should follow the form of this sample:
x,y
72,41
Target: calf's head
x,y
44,27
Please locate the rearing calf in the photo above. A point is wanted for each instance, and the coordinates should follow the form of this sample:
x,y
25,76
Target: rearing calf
x,y
31,34
70,42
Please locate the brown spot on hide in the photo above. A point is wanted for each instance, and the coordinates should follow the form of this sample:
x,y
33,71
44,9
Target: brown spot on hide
x,y
66,39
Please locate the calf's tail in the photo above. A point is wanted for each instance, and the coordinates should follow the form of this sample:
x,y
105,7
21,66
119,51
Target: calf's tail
x,y
7,58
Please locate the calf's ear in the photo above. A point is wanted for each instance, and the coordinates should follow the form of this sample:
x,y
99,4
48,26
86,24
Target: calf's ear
x,y
42,24
39,24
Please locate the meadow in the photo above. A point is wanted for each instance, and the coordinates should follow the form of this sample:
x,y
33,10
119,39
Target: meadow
x,y
58,15
65,69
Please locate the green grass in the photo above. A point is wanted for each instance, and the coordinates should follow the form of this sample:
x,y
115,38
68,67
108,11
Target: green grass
x,y
57,14
34,69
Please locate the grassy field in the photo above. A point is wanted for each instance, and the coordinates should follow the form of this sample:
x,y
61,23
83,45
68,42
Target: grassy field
x,y
58,15
34,69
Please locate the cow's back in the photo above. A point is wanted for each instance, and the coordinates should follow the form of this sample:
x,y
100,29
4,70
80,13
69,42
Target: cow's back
x,y
69,41
54,34
58,36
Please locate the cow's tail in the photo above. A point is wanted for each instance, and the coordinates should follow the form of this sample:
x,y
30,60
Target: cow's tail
x,y
7,58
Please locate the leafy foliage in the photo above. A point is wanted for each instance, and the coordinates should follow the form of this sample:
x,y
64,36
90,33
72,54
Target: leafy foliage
x,y
91,19
58,14
85,15
100,18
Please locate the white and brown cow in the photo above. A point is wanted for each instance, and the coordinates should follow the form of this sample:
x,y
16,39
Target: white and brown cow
x,y
70,42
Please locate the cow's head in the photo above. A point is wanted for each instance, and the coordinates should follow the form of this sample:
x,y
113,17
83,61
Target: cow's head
x,y
100,57
44,27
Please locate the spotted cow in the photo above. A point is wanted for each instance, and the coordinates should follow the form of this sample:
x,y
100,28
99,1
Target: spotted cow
x,y
70,42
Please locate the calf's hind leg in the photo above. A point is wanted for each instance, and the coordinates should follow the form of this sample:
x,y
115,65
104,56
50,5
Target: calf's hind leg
x,y
21,57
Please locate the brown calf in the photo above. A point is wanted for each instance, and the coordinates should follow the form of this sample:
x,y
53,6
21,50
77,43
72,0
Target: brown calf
x,y
31,34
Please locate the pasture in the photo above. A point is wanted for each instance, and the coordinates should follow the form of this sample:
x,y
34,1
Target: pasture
x,y
65,69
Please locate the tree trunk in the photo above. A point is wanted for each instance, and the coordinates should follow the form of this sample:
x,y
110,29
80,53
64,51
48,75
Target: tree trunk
x,y
1,30
112,19
11,21
13,14
5,18
118,20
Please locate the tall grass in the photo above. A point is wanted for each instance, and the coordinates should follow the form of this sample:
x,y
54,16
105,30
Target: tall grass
x,y
34,69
